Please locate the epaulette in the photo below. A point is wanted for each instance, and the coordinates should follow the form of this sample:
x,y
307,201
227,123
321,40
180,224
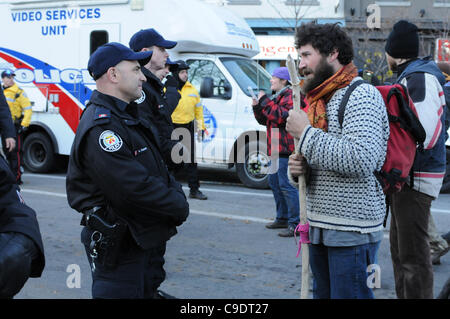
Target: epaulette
x,y
102,115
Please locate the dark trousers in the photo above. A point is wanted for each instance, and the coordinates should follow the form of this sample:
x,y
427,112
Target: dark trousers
x,y
15,156
410,248
138,274
190,168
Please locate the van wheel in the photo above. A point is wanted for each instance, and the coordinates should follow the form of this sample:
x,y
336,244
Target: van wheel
x,y
446,183
38,155
252,173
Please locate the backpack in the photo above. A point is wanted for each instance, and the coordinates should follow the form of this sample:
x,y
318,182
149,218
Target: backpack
x,y
406,135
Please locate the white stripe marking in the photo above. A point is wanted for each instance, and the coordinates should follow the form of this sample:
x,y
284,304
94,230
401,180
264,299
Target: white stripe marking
x,y
184,187
193,211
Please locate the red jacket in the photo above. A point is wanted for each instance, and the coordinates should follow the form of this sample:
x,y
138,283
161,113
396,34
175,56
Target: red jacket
x,y
273,114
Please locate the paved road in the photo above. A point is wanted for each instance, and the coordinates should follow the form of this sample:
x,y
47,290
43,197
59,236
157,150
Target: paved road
x,y
222,251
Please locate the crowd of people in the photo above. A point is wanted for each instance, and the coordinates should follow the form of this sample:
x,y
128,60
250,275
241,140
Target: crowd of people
x,y
143,99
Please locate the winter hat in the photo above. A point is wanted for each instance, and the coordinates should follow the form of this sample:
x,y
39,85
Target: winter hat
x,y
282,73
403,41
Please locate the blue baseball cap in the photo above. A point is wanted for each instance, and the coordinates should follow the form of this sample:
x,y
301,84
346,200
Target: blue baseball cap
x,y
110,54
8,73
148,38
282,73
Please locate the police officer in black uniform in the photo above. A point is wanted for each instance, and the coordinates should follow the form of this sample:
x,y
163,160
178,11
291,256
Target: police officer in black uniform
x,y
117,178
158,104
7,128
21,248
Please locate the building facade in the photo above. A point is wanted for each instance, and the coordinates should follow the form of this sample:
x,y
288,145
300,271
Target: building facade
x,y
370,25
274,23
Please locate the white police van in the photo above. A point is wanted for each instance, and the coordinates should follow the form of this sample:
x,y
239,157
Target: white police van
x,y
48,44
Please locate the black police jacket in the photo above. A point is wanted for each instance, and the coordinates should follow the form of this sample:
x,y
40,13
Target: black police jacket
x,y
155,107
115,162
16,216
6,123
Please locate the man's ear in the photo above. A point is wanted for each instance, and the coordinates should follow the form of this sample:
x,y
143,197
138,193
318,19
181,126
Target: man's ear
x,y
112,74
333,56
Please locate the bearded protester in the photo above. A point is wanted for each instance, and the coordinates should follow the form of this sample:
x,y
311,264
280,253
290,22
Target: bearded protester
x,y
346,204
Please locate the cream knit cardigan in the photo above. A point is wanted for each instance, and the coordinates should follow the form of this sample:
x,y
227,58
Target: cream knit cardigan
x,y
343,193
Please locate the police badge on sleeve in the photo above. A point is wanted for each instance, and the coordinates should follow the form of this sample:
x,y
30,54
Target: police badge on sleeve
x,y
110,141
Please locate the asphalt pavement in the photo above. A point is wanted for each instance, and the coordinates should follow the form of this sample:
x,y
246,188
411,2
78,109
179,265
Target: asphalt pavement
x,y
222,251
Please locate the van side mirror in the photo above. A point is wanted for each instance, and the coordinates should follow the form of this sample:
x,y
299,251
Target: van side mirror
x,y
207,87
227,90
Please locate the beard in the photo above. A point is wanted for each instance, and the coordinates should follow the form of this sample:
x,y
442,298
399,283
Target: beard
x,y
322,73
392,65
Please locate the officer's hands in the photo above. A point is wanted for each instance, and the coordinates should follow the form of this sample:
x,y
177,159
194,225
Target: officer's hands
x,y
10,143
171,81
16,255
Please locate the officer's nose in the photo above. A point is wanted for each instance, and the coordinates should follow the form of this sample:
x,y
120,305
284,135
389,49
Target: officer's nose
x,y
142,76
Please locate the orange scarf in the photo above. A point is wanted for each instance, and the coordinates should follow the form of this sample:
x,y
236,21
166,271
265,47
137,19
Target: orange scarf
x,y
319,97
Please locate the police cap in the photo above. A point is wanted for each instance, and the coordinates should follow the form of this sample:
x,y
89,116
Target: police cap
x,y
8,73
148,38
110,54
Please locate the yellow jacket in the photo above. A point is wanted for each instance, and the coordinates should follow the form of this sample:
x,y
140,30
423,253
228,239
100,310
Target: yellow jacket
x,y
18,102
189,107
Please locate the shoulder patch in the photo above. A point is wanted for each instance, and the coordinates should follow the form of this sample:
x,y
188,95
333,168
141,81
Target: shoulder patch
x,y
141,99
110,141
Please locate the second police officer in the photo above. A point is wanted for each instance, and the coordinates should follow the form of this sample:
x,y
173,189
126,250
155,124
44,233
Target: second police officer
x,y
117,178
156,105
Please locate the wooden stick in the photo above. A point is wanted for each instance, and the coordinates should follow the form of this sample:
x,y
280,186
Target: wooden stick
x,y
290,63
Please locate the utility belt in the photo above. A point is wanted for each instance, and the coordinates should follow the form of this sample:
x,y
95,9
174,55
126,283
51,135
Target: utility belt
x,y
106,238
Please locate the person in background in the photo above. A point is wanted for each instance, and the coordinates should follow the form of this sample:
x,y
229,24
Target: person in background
x,y
411,207
156,104
272,112
189,115
7,130
20,108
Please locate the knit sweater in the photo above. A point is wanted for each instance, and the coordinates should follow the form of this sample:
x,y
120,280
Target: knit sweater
x,y
343,193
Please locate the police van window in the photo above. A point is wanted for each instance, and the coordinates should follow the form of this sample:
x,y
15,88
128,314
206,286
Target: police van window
x,y
98,38
198,69
248,73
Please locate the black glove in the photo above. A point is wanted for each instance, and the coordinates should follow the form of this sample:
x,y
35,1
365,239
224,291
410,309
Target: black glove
x,y
171,81
17,252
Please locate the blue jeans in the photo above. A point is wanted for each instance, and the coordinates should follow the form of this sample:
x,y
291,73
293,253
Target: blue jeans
x,y
341,272
285,195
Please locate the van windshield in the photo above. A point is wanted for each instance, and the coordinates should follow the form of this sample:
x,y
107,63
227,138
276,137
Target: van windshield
x,y
248,73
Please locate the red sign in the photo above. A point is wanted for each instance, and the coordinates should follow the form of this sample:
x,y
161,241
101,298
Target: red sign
x,y
443,49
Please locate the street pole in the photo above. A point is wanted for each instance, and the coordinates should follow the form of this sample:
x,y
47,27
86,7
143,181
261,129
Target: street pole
x,y
304,293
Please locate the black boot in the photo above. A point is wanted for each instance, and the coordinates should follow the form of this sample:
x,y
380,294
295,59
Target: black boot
x,y
197,194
